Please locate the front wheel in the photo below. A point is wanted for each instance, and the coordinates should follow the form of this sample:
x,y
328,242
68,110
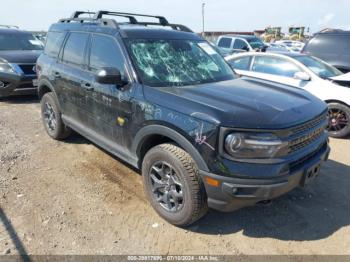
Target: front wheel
x,y
173,186
338,120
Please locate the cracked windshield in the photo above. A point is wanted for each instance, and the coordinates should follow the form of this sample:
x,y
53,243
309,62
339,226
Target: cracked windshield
x,y
178,62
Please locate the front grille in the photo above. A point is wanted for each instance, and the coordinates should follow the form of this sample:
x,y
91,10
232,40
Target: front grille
x,y
306,140
300,162
307,133
308,125
24,86
27,69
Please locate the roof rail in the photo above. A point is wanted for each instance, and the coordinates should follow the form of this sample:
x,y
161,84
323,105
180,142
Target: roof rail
x,y
76,14
162,19
9,26
98,19
106,22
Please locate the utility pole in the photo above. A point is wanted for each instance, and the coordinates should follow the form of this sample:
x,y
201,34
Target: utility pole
x,y
203,6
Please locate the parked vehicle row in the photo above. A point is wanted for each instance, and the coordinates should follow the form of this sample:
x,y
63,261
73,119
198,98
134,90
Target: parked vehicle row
x,y
307,72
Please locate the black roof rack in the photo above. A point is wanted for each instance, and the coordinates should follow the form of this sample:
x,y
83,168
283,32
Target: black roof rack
x,y
162,19
76,14
98,18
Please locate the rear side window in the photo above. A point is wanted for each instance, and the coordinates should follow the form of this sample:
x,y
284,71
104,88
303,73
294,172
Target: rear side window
x,y
241,63
105,52
239,44
75,48
321,44
225,42
275,66
329,44
53,43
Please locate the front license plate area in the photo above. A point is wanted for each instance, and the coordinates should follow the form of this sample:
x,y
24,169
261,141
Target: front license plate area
x,y
310,174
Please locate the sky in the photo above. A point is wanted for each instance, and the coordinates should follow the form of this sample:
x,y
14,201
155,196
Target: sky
x,y
220,15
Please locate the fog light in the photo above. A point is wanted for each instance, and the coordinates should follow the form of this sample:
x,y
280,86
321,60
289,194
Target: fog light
x,y
2,84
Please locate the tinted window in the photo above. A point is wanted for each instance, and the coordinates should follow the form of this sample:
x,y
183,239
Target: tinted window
x,y
225,42
53,43
321,44
239,44
75,48
241,63
106,53
332,43
274,66
255,42
19,41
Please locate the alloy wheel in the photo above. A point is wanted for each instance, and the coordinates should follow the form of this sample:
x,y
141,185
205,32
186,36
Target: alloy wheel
x,y
50,117
166,187
337,120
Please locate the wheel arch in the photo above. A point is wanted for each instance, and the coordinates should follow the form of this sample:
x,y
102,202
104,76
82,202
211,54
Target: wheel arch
x,y
44,87
336,101
153,135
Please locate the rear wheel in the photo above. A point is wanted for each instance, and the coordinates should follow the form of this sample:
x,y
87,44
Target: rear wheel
x,y
51,117
338,120
173,186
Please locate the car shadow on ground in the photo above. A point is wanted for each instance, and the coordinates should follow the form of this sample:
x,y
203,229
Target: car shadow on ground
x,y
32,99
306,214
77,139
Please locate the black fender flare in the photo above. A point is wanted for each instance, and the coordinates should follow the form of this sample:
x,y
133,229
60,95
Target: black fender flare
x,y
143,133
46,83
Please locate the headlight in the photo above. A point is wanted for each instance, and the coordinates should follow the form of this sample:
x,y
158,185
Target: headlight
x,y
6,68
254,145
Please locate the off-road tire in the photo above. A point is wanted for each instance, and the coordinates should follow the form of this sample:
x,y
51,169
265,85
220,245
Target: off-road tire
x,y
195,199
61,131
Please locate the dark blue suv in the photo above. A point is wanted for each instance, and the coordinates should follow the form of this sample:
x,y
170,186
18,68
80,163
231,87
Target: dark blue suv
x,y
19,51
162,99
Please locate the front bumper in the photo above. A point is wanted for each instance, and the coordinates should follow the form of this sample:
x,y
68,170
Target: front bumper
x,y
232,193
17,85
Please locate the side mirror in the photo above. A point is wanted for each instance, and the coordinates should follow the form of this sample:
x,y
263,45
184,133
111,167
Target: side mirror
x,y
109,75
245,48
302,76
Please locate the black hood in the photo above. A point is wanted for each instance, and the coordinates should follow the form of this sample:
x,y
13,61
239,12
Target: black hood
x,y
244,103
21,56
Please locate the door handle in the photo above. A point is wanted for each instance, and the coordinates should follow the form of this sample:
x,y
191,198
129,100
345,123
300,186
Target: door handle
x,y
57,75
87,86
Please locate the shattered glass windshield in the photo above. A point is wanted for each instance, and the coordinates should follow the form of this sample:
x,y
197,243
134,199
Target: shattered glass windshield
x,y
177,62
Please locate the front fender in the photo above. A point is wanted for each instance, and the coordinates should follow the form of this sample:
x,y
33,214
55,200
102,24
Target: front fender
x,y
149,130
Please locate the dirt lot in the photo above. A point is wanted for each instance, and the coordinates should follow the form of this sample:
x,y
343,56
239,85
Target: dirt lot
x,y
73,198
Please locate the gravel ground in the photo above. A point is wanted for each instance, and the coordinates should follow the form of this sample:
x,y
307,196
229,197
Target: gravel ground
x,y
73,198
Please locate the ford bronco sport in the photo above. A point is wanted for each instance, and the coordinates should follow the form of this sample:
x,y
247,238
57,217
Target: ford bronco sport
x,y
160,98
